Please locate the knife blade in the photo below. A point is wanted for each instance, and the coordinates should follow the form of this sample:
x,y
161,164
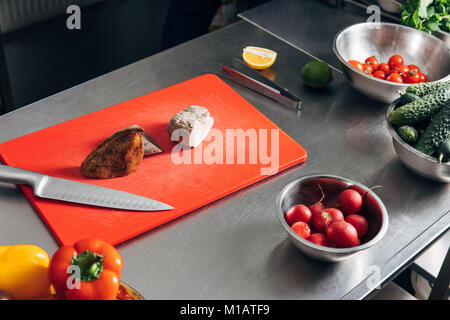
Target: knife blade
x,y
48,187
252,79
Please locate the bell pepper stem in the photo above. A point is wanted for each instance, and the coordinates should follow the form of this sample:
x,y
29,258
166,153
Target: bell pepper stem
x,y
90,265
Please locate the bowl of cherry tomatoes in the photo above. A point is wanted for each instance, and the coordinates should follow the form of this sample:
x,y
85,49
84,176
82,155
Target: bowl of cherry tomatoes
x,y
331,218
382,59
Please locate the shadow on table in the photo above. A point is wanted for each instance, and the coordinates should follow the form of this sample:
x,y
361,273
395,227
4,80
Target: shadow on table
x,y
218,202
399,182
299,270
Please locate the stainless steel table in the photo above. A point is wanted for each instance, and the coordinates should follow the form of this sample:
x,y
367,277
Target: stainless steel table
x,y
235,248
308,25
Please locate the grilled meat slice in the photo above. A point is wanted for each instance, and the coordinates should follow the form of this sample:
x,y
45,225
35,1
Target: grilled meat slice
x,y
117,156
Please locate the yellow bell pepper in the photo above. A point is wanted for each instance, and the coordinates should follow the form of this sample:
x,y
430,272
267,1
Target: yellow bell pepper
x,y
24,271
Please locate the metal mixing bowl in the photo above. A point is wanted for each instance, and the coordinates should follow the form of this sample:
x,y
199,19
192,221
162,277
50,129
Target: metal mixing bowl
x,y
305,191
418,162
383,40
443,35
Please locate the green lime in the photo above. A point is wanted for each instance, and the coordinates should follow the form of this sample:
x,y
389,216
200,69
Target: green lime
x,y
316,74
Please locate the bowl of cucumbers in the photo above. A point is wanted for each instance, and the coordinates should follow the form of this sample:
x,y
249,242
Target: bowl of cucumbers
x,y
419,122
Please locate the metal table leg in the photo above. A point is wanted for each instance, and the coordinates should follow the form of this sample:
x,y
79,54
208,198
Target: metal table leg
x,y
440,287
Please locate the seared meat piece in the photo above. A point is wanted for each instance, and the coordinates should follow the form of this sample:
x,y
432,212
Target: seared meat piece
x,y
119,155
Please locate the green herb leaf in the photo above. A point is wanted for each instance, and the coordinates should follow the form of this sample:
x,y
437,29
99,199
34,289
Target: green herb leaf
x,y
431,25
426,15
422,9
440,8
445,24
415,18
431,11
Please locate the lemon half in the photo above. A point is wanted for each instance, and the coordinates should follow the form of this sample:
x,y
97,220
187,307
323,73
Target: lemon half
x,y
259,58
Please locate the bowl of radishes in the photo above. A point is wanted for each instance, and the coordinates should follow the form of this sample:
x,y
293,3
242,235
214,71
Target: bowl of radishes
x,y
331,218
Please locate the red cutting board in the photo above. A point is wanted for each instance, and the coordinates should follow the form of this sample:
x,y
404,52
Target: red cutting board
x,y
59,151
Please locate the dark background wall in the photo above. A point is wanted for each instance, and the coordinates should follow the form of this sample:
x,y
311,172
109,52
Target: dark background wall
x,y
40,56
46,57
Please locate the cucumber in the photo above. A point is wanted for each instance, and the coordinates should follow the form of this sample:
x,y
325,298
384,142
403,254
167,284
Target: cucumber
x,y
436,133
424,88
409,134
444,151
421,109
422,125
405,99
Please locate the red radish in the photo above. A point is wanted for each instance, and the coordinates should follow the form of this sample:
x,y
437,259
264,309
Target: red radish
x,y
343,234
318,221
298,213
322,220
302,229
351,201
335,215
318,206
320,239
359,222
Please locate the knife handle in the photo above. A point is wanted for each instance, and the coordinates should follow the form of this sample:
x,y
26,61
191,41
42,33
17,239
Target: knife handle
x,y
260,87
19,176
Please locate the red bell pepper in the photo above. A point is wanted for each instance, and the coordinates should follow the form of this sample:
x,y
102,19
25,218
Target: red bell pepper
x,y
88,270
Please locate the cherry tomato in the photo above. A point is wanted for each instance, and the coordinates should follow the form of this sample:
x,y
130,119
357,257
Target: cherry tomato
x,y
302,229
367,68
393,70
320,239
395,77
384,67
395,60
359,222
373,62
402,69
357,65
411,77
322,220
380,74
423,77
413,68
298,213
343,234
350,200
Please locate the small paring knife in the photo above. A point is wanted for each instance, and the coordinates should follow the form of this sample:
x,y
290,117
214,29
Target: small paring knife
x,y
251,79
71,191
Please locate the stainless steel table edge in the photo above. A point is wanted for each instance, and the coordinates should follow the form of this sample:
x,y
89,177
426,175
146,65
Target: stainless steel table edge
x,y
415,248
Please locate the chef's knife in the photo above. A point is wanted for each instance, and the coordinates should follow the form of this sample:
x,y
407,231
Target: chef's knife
x,y
252,79
240,65
66,190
